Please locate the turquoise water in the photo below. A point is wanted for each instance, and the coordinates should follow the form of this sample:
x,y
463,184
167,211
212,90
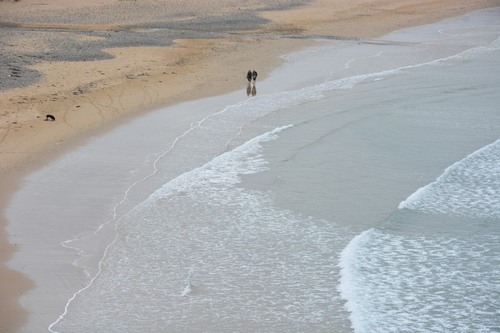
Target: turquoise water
x,y
357,191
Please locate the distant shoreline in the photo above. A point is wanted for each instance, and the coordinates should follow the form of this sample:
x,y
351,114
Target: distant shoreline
x,y
138,69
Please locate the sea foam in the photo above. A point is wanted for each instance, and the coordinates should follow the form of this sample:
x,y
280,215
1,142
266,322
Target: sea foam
x,y
468,187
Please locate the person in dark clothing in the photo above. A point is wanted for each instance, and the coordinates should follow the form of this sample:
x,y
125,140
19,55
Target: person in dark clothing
x,y
249,76
254,76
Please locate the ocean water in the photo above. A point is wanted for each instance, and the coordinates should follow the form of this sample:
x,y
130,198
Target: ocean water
x,y
358,191
433,265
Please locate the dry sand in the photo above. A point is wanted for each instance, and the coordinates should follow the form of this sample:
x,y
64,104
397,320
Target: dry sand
x,y
94,63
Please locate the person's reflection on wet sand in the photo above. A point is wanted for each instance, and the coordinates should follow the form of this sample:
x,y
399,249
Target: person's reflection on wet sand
x,y
251,89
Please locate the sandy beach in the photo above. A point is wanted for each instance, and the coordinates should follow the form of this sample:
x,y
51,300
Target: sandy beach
x,y
96,64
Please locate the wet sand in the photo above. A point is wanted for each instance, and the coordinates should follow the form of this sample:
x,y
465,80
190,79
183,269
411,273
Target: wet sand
x,y
143,58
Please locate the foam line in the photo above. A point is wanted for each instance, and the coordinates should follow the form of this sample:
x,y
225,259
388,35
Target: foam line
x,y
350,82
346,286
412,201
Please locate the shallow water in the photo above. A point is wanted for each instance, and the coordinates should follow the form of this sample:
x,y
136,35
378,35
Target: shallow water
x,y
279,213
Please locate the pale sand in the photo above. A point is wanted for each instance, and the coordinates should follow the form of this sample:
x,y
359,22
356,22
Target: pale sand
x,y
90,96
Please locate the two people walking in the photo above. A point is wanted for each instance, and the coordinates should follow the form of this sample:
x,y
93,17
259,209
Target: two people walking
x,y
252,76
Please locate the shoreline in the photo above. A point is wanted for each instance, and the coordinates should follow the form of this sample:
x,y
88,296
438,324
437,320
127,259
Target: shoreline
x,y
48,147
100,104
